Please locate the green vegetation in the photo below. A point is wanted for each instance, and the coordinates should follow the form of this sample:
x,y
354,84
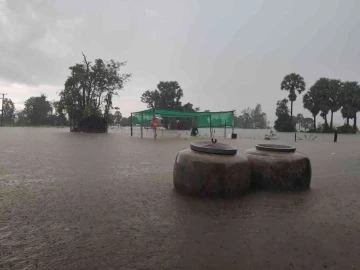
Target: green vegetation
x,y
283,122
324,96
87,96
9,112
252,118
168,96
329,95
293,83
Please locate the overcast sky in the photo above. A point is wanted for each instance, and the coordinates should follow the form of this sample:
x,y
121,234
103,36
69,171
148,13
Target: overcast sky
x,y
225,54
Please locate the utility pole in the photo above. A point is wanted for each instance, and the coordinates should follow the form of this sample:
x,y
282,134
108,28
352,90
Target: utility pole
x,y
2,109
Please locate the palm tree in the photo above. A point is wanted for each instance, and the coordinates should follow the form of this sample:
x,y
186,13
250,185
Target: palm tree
x,y
335,96
312,103
293,83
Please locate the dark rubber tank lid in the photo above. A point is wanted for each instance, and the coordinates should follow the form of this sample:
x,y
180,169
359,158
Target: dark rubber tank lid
x,y
213,147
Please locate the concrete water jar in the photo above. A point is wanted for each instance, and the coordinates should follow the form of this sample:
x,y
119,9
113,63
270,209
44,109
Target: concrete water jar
x,y
211,168
279,167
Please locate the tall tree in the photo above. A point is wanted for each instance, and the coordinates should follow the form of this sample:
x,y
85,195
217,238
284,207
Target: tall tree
x,y
37,110
9,111
283,122
118,117
307,123
88,92
350,102
335,97
293,83
245,120
21,118
299,120
322,89
166,96
311,102
259,117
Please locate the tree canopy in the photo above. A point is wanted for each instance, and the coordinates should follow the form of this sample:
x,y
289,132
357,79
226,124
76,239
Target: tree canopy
x,y
37,110
331,95
88,93
168,95
9,112
252,118
283,122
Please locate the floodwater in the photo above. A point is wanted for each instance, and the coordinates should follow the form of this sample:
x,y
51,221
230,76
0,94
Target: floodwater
x,y
106,201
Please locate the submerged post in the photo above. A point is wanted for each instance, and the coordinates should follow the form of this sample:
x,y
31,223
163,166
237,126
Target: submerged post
x,y
225,130
210,127
141,126
335,136
131,125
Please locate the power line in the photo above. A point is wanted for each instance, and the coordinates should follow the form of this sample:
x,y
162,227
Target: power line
x,y
2,109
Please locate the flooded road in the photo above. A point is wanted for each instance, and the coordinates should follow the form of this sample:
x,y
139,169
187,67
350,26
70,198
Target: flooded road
x,y
106,201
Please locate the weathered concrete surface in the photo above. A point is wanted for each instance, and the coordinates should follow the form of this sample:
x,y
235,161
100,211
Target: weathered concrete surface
x,y
279,170
106,201
208,174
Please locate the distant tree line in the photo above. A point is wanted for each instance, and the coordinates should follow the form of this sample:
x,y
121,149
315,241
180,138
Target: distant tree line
x,y
252,119
37,111
325,97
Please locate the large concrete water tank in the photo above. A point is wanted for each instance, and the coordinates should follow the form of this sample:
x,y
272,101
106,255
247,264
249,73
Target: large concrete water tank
x,y
211,168
279,167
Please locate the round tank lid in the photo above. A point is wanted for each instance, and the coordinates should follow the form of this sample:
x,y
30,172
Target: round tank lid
x,y
275,148
213,147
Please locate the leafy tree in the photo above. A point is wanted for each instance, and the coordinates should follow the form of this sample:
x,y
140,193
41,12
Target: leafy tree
x,y
37,110
118,117
321,90
307,123
251,118
58,114
299,120
312,103
125,122
293,83
9,111
283,122
259,118
245,119
21,118
335,97
166,96
88,92
350,102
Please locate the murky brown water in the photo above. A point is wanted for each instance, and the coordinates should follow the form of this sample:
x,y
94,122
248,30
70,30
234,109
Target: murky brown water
x,y
106,201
